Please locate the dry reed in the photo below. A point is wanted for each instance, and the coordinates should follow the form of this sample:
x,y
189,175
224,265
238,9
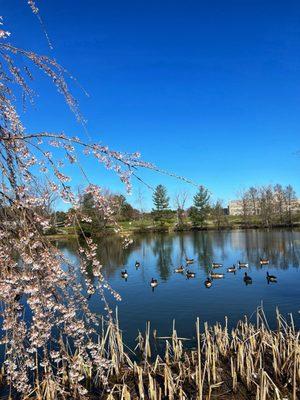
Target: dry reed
x,y
249,362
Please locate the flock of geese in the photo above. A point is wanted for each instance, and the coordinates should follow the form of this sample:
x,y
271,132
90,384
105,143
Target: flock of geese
x,y
212,274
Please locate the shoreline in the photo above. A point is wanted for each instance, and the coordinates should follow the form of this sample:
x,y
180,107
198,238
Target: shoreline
x,y
166,229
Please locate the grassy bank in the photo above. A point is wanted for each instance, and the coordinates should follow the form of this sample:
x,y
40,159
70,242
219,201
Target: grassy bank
x,y
170,225
232,222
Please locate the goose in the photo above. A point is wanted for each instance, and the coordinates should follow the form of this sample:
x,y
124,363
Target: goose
x,y
189,260
216,265
243,265
153,283
208,283
137,264
17,297
247,279
216,275
232,269
124,274
179,270
264,261
271,278
190,274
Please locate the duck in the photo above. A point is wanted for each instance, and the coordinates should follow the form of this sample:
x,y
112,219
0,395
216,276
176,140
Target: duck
x,y
232,269
153,283
189,260
216,265
124,274
216,275
247,279
264,261
179,270
271,278
190,274
208,282
243,264
137,264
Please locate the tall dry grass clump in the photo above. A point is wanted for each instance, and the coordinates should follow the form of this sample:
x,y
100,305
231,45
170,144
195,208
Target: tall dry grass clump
x,y
251,361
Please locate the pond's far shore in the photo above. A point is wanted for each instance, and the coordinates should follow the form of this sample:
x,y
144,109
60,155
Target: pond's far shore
x,y
63,234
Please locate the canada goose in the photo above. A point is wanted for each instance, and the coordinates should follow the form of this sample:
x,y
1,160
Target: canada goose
x,y
137,264
208,282
17,297
243,265
264,261
190,274
189,260
231,269
271,278
153,283
247,279
124,274
216,265
216,275
179,270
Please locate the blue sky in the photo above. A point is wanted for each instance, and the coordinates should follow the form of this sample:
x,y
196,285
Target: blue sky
x,y
205,89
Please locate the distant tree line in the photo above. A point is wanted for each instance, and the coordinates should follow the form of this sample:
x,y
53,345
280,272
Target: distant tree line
x,y
269,205
198,214
264,206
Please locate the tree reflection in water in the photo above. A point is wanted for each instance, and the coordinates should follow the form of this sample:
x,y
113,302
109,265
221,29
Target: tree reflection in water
x,y
167,251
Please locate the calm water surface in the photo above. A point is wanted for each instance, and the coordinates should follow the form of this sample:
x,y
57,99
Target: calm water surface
x,y
185,299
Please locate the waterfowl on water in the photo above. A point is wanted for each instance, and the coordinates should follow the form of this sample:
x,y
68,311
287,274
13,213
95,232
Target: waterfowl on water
x,y
231,269
179,270
124,274
189,260
216,265
243,265
271,278
17,297
137,264
190,274
153,283
264,261
216,275
208,282
247,279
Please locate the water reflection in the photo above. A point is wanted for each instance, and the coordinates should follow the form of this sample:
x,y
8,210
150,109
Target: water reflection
x,y
169,251
184,299
162,247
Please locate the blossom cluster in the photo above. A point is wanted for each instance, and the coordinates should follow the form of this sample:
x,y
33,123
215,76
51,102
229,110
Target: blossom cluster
x,y
44,309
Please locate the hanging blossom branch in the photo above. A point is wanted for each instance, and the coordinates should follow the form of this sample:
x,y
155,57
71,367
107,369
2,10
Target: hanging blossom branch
x,y
36,280
37,283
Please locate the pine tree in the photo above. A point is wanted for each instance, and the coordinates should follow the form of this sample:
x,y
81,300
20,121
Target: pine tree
x,y
160,198
201,208
160,201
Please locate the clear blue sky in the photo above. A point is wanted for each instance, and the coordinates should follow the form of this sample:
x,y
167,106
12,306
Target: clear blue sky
x,y
205,89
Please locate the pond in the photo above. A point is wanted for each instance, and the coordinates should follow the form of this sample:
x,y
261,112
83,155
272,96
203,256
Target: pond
x,y
182,299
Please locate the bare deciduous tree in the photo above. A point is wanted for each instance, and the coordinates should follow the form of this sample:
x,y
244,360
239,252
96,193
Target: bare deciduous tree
x,y
218,214
180,200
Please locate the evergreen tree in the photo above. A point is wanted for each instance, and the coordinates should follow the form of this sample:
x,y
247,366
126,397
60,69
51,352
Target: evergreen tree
x,y
160,201
201,208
